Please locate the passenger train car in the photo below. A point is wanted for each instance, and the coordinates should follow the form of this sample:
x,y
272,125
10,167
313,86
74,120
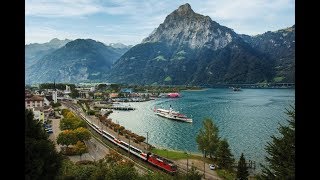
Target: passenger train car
x,y
154,159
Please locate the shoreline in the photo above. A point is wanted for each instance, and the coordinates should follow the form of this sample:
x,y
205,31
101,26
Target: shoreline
x,y
136,105
195,89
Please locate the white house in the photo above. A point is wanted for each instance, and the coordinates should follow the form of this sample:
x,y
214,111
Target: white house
x,y
38,113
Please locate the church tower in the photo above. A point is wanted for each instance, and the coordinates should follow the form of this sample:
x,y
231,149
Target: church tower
x,y
54,93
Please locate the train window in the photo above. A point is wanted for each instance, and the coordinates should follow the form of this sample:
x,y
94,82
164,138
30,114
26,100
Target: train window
x,y
126,145
135,150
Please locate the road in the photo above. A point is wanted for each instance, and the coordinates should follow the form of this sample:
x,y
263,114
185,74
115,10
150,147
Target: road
x,y
210,174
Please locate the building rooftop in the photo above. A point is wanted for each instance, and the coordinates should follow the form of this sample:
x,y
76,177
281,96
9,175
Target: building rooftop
x,y
34,98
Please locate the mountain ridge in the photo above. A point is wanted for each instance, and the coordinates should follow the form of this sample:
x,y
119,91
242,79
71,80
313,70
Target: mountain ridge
x,y
189,48
78,60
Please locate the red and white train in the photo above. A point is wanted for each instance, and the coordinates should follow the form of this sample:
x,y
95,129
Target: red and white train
x,y
154,159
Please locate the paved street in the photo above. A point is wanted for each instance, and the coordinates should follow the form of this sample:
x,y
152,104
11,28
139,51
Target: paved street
x,y
210,174
96,151
56,130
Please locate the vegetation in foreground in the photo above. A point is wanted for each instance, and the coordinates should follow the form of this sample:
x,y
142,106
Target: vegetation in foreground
x,y
281,152
113,166
242,169
225,174
42,161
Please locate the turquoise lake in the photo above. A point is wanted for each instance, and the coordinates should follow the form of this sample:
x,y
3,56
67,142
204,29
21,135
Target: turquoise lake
x,y
245,118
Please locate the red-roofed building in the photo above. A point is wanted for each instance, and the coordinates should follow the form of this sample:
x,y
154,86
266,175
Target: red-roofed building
x,y
34,101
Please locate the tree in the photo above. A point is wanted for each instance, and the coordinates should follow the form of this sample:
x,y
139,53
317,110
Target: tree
x,y
71,123
223,155
101,86
193,174
80,148
281,152
69,115
208,138
115,87
64,112
66,123
42,161
74,93
67,137
242,170
82,134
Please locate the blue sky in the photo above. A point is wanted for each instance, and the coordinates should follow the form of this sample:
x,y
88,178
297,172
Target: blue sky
x,y
130,21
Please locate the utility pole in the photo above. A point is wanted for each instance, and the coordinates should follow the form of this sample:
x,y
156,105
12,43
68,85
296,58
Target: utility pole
x,y
118,129
187,163
147,141
129,148
204,164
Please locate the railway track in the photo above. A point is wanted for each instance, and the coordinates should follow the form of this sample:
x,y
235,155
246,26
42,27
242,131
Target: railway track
x,y
137,161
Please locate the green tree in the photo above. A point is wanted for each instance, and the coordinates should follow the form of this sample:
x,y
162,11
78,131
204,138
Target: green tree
x,y
208,138
80,148
193,174
82,134
67,137
66,123
281,152
223,155
101,87
54,105
242,169
83,172
41,158
122,172
64,112
115,87
71,123
74,93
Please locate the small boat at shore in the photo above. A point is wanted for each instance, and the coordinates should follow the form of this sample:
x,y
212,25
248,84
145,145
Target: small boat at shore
x,y
171,114
236,88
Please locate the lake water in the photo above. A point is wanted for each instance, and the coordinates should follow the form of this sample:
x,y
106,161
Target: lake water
x,y
245,118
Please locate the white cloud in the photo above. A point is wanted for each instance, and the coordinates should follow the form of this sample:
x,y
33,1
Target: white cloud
x,y
130,21
61,8
45,34
250,16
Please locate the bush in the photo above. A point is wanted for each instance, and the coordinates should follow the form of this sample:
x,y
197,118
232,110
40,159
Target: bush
x,y
121,128
68,151
54,105
91,112
141,138
84,162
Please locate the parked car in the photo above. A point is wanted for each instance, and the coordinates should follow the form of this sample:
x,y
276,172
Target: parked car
x,y
212,166
49,131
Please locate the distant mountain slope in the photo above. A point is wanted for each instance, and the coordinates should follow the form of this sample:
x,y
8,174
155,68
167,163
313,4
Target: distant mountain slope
x,y
189,48
79,60
35,51
279,46
120,46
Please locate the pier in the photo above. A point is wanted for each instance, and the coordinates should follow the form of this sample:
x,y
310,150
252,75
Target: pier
x,y
256,85
122,108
